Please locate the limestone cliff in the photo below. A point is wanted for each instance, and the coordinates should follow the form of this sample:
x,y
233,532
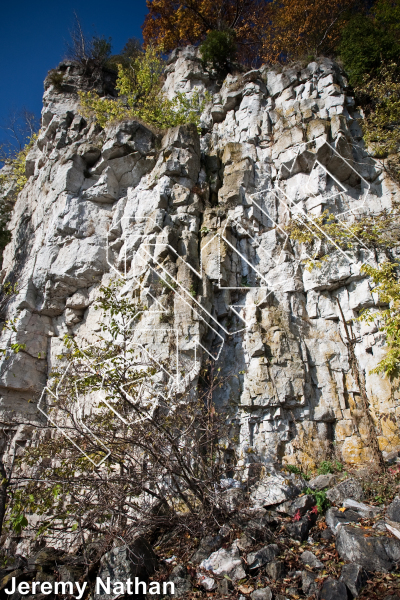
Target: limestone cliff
x,y
207,212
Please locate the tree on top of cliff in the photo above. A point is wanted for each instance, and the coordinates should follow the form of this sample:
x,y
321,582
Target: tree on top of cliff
x,y
182,22
265,31
371,40
305,28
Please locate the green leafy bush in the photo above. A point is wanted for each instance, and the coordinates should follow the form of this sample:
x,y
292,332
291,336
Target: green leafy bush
x,y
320,498
297,471
387,287
381,127
370,40
219,50
12,181
328,466
56,78
140,96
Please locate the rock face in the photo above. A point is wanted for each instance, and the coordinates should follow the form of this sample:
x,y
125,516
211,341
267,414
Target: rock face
x,y
208,210
361,547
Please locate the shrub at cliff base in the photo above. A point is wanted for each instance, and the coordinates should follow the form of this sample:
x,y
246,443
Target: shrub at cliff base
x,y
135,456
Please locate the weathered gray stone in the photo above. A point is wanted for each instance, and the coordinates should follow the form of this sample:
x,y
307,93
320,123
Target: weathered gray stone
x,y
300,506
366,511
354,577
366,549
308,558
275,569
207,545
334,517
393,511
232,499
308,583
208,583
225,562
322,481
350,488
258,559
333,590
124,562
261,594
299,530
179,577
273,490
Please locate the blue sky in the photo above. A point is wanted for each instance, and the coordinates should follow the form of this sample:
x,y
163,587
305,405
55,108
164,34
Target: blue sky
x,y
33,37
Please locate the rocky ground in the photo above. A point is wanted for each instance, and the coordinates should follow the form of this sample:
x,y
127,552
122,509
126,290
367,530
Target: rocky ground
x,y
333,537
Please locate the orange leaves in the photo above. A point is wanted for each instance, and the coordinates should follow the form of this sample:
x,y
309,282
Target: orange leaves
x,y
182,22
304,27
265,31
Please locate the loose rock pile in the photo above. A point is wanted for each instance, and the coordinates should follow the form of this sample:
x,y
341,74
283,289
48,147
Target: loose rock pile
x,y
263,551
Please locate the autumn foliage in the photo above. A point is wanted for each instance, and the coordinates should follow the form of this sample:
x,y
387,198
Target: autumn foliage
x,y
181,22
265,31
304,28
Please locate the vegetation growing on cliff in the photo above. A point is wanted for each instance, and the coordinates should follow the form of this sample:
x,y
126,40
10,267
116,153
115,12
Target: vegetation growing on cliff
x,y
12,181
381,126
129,456
370,40
140,96
387,286
324,234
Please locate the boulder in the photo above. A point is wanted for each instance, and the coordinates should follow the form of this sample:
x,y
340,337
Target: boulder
x,y
208,583
5,582
365,548
333,590
275,569
322,481
231,499
261,594
308,583
299,530
225,562
274,489
334,517
393,512
258,559
256,523
299,506
179,577
308,558
364,510
349,488
123,562
393,527
46,557
207,545
354,577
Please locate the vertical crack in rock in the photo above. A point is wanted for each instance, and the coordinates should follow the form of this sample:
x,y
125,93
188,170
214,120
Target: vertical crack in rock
x,y
196,225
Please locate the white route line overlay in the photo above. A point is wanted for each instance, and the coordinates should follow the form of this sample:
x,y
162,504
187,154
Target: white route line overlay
x,y
177,382
289,206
